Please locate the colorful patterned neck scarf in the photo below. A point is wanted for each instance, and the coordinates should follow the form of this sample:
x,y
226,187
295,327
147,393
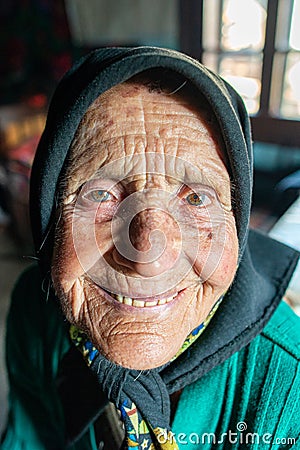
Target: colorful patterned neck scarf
x,y
140,396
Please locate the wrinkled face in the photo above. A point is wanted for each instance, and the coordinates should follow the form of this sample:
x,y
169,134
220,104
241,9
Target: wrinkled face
x,y
146,241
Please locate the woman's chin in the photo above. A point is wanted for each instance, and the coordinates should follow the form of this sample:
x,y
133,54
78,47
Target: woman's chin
x,y
144,357
138,363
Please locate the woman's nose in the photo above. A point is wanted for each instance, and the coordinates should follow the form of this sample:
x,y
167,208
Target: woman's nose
x,y
154,243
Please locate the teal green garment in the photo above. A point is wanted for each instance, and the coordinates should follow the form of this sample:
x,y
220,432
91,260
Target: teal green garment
x,y
258,387
37,340
257,390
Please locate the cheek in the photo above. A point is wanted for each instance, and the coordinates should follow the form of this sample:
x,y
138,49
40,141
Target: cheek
x,y
227,266
79,245
217,256
68,255
65,264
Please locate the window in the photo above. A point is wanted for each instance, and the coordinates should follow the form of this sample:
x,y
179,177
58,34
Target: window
x,y
233,41
285,87
255,45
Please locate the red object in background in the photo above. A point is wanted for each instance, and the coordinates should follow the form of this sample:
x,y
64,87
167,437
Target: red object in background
x,y
17,166
60,64
38,101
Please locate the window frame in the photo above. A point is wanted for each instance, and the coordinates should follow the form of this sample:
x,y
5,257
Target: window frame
x,y
265,126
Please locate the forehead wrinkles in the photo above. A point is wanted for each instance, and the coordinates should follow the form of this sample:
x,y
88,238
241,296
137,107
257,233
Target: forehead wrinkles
x,y
123,111
171,159
119,119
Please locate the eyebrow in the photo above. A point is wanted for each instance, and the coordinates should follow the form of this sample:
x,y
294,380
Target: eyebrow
x,y
187,175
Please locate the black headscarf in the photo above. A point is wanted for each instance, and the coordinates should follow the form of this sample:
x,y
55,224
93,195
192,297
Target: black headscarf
x,y
105,68
260,282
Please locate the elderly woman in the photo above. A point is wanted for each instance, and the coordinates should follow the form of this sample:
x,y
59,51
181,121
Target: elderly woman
x,y
154,319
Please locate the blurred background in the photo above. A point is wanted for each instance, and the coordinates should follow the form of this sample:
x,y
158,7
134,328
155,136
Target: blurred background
x,y
253,44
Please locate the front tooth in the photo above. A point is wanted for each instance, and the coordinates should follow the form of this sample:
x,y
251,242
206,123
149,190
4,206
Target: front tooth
x,y
151,303
162,301
127,301
138,303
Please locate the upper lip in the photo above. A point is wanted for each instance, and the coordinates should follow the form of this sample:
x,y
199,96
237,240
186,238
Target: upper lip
x,y
140,294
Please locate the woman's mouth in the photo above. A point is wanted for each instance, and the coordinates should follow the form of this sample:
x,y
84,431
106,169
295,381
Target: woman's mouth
x,y
140,303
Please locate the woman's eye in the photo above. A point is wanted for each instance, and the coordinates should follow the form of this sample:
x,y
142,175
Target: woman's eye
x,y
99,196
198,199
